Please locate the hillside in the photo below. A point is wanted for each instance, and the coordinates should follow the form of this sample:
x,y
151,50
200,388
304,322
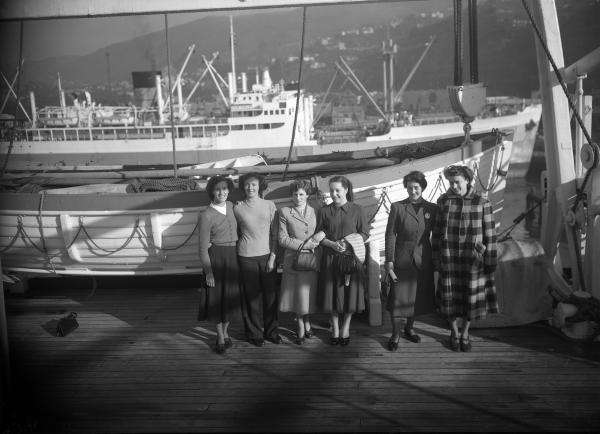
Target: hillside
x,y
506,47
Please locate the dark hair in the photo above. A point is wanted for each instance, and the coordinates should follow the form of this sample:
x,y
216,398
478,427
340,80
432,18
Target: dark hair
x,y
301,184
212,183
346,184
463,171
262,184
415,176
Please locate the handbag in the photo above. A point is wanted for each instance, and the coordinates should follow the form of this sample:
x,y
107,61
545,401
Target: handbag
x,y
66,324
345,263
305,260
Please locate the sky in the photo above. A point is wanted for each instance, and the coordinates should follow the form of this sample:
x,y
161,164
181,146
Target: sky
x,y
50,38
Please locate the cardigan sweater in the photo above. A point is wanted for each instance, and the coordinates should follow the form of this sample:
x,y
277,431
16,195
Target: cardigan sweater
x,y
215,228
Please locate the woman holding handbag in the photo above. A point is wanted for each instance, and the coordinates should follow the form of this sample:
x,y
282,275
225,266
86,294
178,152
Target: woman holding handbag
x,y
217,245
300,262
341,288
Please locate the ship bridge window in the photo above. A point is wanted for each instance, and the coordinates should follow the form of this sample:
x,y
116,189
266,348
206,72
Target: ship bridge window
x,y
282,105
237,127
277,125
270,112
250,127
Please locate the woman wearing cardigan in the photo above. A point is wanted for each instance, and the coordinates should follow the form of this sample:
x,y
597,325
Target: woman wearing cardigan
x,y
257,247
298,288
341,289
408,258
217,244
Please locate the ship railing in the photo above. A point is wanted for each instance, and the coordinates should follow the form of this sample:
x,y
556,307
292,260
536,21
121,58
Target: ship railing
x,y
141,132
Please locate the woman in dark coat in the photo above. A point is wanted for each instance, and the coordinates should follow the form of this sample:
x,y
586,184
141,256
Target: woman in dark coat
x,y
465,254
217,245
345,227
408,258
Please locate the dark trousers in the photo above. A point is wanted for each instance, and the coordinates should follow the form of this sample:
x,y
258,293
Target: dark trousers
x,y
259,287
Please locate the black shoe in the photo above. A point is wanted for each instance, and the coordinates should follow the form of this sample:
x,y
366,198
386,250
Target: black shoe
x,y
412,336
344,341
220,348
465,344
309,334
334,341
454,342
275,339
392,345
259,342
300,341
228,343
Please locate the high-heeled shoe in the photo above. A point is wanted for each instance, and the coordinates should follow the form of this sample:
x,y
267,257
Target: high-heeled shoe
x,y
344,341
411,336
220,348
334,341
454,342
300,341
393,344
465,344
309,334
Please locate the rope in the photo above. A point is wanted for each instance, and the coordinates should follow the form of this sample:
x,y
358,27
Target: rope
x,y
496,174
382,199
183,243
118,249
505,234
167,184
287,164
17,97
439,186
16,236
559,77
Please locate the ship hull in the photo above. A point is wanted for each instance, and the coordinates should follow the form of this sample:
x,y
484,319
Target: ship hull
x,y
273,143
156,233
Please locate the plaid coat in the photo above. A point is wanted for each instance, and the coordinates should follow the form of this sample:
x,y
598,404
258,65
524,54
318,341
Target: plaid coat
x,y
465,253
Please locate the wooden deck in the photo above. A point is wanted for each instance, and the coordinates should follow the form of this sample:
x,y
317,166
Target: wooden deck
x,y
140,362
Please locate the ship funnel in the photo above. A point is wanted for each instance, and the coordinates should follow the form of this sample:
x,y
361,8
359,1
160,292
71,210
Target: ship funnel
x,y
266,79
33,108
244,82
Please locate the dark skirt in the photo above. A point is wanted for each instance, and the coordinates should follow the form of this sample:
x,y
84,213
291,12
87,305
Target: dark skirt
x,y
412,294
333,295
221,303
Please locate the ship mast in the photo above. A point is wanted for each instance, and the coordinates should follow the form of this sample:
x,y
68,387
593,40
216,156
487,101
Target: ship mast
x,y
232,42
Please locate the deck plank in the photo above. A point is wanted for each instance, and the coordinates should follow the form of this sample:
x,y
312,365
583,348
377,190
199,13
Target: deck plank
x,y
140,362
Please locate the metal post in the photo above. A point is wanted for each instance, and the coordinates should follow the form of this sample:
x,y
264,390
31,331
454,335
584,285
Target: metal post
x,y
374,283
458,43
170,99
6,380
578,130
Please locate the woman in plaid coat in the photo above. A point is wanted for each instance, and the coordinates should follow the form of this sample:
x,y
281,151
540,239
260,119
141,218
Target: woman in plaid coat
x,y
465,255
